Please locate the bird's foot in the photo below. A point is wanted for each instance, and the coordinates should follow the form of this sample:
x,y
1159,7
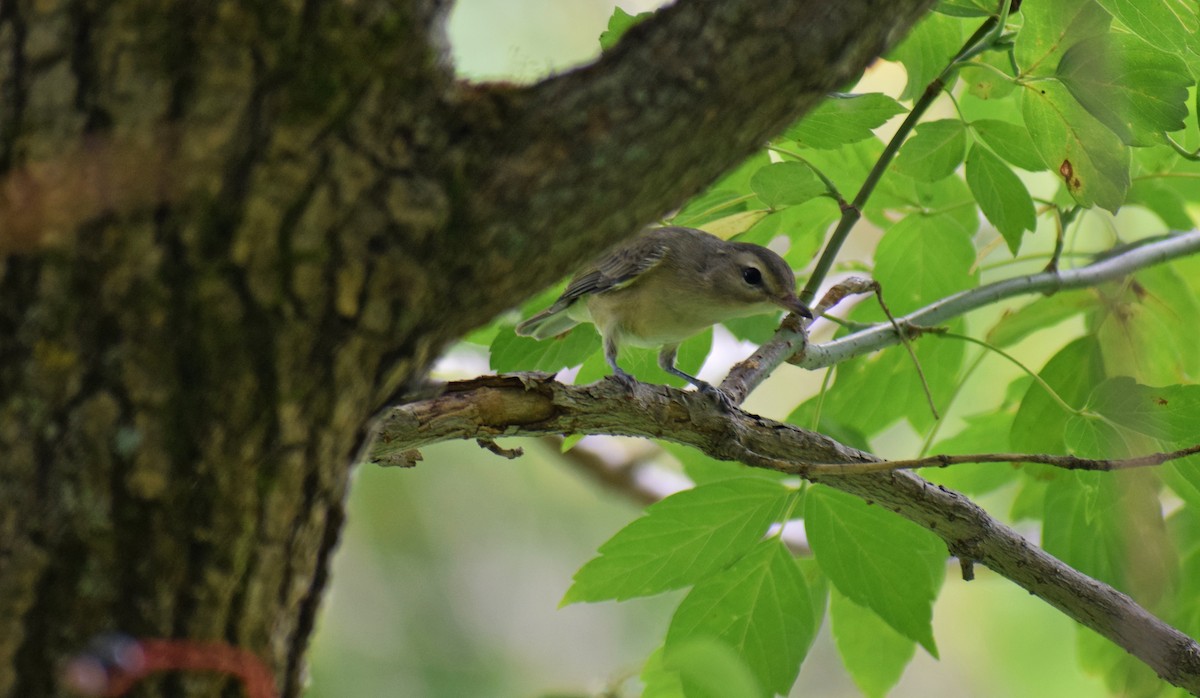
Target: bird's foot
x,y
624,379
722,398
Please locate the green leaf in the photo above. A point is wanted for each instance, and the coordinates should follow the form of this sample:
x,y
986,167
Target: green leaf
x,y
1166,23
873,653
1053,27
705,668
803,225
927,50
643,363
512,353
660,682
1183,477
1002,196
892,373
1110,526
729,194
681,540
1141,334
1169,413
1090,159
762,606
967,8
923,259
987,432
1072,373
783,184
1087,436
1123,674
986,84
618,24
1040,314
702,468
1131,87
1010,141
934,151
878,560
1162,201
843,119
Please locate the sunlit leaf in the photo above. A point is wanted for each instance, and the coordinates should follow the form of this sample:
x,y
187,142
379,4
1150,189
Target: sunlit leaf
x,y
762,606
878,560
1071,373
1110,526
1139,330
922,259
1053,27
510,352
934,151
1010,141
843,119
703,668
1131,87
618,24
786,184
681,540
1170,413
1086,155
1166,23
1002,196
873,653
1043,312
967,8
927,50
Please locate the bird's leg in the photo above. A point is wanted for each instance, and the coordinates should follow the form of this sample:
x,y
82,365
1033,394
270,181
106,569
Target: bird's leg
x,y
666,361
610,357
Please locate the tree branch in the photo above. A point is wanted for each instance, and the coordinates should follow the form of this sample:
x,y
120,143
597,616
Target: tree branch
x,y
942,461
536,405
788,343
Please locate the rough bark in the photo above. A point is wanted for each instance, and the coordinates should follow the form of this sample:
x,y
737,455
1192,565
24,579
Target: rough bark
x,y
229,231
536,405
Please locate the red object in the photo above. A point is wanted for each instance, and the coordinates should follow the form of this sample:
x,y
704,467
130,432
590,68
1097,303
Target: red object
x,y
115,664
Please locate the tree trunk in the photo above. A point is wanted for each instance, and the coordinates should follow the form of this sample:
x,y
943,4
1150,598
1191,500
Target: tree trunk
x,y
231,232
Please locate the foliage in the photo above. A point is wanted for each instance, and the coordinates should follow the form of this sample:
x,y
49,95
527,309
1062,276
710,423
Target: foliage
x,y
1063,130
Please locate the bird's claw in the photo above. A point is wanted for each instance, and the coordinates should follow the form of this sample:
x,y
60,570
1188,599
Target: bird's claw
x,y
722,398
624,379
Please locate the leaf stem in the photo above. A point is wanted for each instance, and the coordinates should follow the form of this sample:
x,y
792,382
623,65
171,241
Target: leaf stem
x,y
1054,395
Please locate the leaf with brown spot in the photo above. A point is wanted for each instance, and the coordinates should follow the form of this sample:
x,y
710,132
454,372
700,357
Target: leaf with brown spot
x,y
1091,159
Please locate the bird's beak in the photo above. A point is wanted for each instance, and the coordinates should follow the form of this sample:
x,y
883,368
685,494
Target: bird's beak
x,y
792,304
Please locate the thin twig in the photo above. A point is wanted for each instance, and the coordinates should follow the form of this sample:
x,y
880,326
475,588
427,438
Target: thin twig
x,y
908,347
942,461
490,445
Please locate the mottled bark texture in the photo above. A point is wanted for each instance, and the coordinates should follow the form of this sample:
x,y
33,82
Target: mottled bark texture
x,y
229,231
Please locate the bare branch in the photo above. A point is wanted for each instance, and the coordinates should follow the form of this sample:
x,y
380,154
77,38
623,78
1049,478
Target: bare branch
x,y
789,344
537,406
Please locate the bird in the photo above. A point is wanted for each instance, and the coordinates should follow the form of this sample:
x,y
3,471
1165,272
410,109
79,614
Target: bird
x,y
665,285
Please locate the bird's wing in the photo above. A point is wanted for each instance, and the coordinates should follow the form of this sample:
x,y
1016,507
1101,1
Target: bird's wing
x,y
610,273
616,270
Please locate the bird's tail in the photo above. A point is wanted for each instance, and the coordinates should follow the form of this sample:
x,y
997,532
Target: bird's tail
x,y
551,322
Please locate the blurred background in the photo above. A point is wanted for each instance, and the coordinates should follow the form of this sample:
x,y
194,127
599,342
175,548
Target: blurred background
x,y
449,575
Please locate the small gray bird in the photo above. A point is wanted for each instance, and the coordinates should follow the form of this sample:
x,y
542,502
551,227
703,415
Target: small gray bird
x,y
664,286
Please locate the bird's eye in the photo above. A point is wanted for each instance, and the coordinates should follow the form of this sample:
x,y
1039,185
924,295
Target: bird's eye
x,y
751,276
